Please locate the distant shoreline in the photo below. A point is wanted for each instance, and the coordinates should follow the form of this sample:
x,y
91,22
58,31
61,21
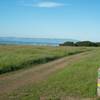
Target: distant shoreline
x,y
32,41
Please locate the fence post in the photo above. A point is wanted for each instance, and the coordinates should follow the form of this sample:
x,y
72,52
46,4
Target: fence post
x,y
98,83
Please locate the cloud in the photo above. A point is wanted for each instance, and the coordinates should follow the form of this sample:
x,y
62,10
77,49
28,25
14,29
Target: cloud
x,y
43,4
48,4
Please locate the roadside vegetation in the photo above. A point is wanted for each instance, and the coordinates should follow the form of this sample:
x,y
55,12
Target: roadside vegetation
x,y
77,81
17,57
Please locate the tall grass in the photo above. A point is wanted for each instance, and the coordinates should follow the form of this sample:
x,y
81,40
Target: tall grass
x,y
78,81
16,57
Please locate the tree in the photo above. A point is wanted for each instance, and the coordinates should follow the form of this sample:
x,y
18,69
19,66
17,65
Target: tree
x,y
82,43
67,44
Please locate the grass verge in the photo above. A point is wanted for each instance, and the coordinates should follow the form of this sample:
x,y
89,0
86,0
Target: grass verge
x,y
13,58
76,80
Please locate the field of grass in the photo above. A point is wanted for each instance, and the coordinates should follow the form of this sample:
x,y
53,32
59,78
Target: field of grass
x,y
79,79
18,57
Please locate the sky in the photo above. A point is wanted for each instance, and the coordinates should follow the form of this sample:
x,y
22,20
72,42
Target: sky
x,y
74,19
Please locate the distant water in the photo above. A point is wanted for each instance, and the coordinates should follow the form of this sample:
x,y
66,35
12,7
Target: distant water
x,y
33,41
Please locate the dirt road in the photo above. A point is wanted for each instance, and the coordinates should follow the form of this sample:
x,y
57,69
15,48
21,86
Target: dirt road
x,y
11,81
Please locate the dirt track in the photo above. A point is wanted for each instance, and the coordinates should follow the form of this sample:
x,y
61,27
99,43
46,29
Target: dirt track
x,y
10,82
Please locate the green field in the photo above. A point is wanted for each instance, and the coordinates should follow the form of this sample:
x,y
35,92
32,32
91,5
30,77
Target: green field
x,y
18,57
76,80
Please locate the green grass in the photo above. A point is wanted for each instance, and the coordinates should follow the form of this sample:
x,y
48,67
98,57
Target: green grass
x,y
79,79
17,57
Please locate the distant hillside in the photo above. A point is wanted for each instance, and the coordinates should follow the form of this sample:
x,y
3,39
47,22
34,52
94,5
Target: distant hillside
x,y
33,41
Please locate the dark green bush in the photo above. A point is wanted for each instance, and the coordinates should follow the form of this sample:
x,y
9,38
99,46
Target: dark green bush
x,y
82,43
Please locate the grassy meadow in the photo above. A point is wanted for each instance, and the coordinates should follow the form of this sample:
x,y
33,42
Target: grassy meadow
x,y
77,80
18,57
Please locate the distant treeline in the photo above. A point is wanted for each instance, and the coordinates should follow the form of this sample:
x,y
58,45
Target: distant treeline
x,y
81,43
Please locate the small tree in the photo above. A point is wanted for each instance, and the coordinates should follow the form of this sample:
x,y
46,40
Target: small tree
x,y
67,44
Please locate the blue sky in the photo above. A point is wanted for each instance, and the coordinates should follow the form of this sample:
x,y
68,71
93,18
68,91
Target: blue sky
x,y
76,19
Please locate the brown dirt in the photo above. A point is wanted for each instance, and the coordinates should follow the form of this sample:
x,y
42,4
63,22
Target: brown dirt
x,y
70,98
12,81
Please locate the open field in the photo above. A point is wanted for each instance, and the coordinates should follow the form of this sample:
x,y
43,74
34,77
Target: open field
x,y
18,57
72,77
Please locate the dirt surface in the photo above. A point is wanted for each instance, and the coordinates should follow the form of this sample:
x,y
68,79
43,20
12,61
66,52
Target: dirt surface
x,y
70,98
12,81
